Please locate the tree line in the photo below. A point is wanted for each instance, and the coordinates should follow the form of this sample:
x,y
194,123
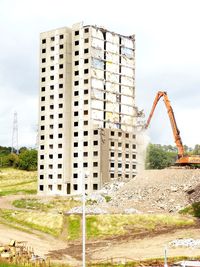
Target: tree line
x,y
162,156
157,156
26,159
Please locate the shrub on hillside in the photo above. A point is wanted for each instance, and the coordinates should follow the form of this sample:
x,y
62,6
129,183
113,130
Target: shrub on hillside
x,y
28,160
10,160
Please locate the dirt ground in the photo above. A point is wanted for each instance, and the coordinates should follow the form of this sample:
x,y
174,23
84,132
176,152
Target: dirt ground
x,y
41,243
130,247
127,246
149,247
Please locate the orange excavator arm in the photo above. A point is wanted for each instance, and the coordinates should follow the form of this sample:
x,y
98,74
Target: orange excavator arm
x,y
175,129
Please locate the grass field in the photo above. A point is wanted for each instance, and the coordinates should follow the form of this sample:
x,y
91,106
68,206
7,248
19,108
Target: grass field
x,y
3,264
45,222
57,203
13,182
97,226
101,226
147,262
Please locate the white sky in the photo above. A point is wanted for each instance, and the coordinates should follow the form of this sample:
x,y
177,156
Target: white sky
x,y
167,58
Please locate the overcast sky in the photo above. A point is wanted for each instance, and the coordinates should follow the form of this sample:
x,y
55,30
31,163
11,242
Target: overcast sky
x,y
167,58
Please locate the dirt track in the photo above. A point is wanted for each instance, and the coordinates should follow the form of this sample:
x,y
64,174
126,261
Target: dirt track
x,y
151,191
126,247
42,243
150,247
135,249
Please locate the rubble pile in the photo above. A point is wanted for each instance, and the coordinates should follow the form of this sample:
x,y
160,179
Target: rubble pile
x,y
111,188
97,203
189,242
90,209
166,190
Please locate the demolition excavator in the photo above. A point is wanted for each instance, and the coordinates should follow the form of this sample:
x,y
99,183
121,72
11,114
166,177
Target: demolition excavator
x,y
182,159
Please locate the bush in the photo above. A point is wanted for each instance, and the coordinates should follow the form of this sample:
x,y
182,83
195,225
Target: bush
x,y
28,160
108,198
193,210
10,160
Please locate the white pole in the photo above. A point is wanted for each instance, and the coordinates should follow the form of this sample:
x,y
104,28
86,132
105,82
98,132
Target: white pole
x,y
165,264
83,221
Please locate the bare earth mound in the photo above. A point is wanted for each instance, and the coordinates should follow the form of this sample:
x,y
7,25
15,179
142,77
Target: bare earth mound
x,y
166,190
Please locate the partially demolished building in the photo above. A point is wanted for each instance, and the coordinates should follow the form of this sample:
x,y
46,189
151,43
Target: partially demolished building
x,y
87,112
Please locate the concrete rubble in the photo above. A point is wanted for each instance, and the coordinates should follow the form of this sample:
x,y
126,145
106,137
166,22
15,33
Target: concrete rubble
x,y
97,203
89,210
167,190
110,188
189,242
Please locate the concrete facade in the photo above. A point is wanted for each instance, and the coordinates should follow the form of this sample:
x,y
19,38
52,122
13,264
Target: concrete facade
x,y
87,107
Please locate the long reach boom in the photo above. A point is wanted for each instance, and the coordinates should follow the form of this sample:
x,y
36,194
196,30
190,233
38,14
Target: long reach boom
x,y
182,158
174,126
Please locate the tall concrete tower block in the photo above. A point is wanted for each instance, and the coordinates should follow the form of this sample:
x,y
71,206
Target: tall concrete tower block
x,y
87,112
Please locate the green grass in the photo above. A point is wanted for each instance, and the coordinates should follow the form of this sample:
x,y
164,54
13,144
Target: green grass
x,y
30,265
13,182
106,225
73,226
31,203
101,226
146,262
64,203
193,210
10,264
58,203
97,226
7,264
45,222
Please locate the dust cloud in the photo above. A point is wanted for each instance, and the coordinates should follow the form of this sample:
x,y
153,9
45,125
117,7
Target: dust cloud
x,y
142,141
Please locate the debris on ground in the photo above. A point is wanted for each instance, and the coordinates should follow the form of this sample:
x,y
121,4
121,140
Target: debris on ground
x,y
18,251
88,210
189,242
110,188
167,190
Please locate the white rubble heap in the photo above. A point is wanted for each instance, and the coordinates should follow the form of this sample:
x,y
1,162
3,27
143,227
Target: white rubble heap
x,y
109,189
88,209
96,202
168,190
189,242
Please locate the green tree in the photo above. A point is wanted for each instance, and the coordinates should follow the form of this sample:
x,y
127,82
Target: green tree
x,y
22,149
158,158
5,150
28,160
196,150
10,160
13,160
